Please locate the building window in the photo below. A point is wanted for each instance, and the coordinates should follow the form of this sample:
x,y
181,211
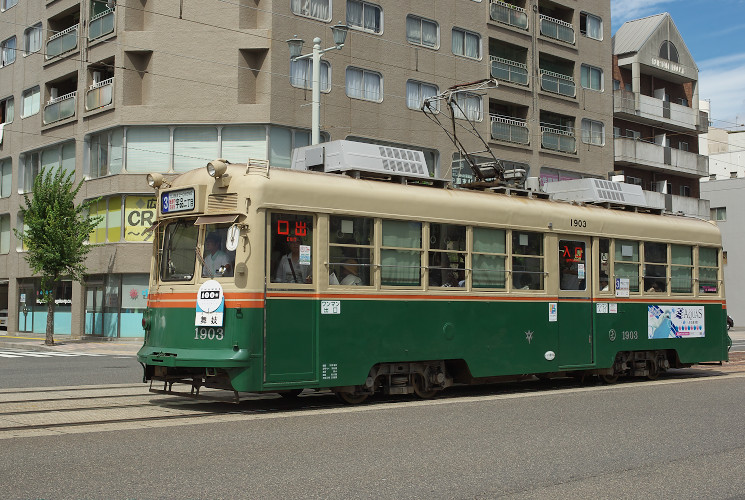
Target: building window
x,y
616,132
30,102
365,16
683,146
593,132
301,74
191,145
4,234
591,26
466,43
467,106
316,9
49,159
422,31
685,191
668,51
7,111
616,84
592,77
8,4
364,84
32,39
105,153
6,177
417,92
633,134
628,179
719,214
8,51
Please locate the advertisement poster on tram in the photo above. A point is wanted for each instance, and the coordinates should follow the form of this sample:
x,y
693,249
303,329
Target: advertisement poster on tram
x,y
671,322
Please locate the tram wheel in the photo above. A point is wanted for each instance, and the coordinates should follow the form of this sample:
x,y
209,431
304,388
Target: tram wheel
x,y
654,371
291,394
609,379
419,387
351,398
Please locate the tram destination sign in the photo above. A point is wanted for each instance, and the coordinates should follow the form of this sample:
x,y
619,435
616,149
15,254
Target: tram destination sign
x,y
177,201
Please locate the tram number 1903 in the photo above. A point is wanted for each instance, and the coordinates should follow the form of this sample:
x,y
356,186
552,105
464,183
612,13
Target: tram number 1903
x,y
577,223
208,333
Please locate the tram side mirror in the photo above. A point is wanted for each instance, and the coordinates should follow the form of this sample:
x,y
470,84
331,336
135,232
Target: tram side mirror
x,y
233,237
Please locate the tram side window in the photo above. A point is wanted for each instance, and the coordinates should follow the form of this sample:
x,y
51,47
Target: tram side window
x,y
447,255
707,270
572,265
681,269
527,260
217,260
626,263
604,265
401,253
489,257
350,250
655,267
178,256
291,248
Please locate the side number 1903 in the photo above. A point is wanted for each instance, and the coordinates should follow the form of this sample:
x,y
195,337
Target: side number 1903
x,y
208,333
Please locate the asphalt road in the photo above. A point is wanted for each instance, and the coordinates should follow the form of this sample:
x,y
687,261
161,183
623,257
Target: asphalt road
x,y
678,437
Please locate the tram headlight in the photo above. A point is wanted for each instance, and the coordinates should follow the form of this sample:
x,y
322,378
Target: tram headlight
x,y
154,180
217,168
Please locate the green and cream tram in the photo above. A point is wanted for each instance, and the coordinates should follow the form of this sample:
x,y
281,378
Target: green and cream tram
x,y
277,280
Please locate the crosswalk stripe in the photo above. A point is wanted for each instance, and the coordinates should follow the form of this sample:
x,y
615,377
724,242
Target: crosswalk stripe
x,y
7,355
49,354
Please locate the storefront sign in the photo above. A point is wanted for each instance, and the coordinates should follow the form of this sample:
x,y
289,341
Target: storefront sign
x,y
139,215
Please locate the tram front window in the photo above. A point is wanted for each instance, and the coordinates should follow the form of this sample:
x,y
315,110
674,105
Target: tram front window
x,y
217,261
178,257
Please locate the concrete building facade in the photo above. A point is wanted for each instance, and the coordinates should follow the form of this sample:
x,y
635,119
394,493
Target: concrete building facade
x,y
657,117
116,89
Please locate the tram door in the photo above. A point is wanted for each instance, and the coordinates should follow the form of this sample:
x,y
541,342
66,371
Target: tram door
x,y
575,304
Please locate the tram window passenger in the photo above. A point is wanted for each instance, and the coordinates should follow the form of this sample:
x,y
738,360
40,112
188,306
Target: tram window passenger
x,y
216,261
290,258
604,285
350,250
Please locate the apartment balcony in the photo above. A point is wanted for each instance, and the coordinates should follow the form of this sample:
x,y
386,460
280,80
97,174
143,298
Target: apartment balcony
x,y
628,151
62,42
60,108
99,94
508,129
673,203
557,29
558,83
509,71
652,111
558,140
508,14
101,24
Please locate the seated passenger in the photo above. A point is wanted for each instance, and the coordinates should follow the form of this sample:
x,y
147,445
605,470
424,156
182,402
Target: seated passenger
x,y
349,272
290,270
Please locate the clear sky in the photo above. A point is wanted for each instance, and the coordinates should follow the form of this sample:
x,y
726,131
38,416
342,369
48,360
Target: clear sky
x,y
714,32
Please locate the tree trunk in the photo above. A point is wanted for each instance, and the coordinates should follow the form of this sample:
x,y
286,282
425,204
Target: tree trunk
x,y
50,321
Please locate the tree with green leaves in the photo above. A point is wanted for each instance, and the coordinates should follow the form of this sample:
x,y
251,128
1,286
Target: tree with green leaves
x,y
56,230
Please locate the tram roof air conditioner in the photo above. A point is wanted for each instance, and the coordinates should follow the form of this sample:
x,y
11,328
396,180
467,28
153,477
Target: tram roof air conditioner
x,y
597,191
362,158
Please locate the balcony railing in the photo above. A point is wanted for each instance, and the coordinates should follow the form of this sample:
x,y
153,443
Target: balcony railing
x,y
99,94
555,28
101,24
510,71
60,108
508,14
558,140
629,151
505,128
558,83
62,42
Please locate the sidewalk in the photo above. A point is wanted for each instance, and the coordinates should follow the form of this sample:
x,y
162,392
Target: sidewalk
x,y
65,343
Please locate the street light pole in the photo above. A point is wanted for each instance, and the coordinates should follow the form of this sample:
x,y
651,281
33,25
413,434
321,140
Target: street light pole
x,y
296,47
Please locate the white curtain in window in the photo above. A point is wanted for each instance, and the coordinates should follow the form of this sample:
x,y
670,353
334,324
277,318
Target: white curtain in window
x,y
318,9
6,173
472,45
148,149
354,83
417,92
592,132
32,38
354,13
413,29
371,14
373,90
30,102
9,51
4,233
193,147
470,107
241,143
594,27
429,34
301,74
458,42
116,152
